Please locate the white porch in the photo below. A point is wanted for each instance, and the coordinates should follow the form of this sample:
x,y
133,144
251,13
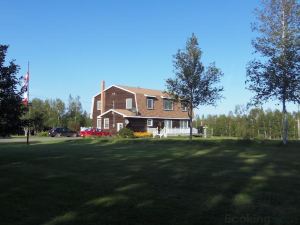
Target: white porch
x,y
167,132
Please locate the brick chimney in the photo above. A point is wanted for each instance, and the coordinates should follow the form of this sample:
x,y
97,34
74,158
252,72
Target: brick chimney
x,y
102,97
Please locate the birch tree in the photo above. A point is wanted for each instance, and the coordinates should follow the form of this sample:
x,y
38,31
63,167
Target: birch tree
x,y
275,74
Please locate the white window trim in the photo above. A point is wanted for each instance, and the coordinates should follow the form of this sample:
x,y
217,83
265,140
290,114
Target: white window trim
x,y
164,105
151,122
128,106
99,123
150,96
183,108
106,123
99,105
152,100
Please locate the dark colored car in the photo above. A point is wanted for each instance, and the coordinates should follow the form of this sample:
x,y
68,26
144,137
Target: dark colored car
x,y
59,131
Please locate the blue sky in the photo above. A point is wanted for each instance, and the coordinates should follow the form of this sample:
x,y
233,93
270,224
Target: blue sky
x,y
73,45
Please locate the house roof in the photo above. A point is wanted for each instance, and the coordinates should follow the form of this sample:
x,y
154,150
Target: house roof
x,y
139,90
145,91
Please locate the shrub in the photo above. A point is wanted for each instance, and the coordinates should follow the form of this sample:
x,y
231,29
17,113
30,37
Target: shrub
x,y
42,134
142,134
126,133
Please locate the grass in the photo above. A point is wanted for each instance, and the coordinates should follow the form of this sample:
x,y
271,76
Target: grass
x,y
150,182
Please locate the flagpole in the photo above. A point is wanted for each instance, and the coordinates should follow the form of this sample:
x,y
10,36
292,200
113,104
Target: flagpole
x,y
27,138
298,122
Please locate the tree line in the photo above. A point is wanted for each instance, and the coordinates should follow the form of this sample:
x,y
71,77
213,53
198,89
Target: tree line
x,y
255,123
46,114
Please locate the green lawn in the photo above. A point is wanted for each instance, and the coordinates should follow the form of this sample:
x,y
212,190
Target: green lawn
x,y
150,182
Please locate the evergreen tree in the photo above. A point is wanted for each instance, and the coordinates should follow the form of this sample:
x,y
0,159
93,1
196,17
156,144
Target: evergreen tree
x,y
193,85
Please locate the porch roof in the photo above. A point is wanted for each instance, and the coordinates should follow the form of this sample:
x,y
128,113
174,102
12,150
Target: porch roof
x,y
122,112
125,112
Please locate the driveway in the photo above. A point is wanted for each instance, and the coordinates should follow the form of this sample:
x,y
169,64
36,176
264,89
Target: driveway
x,y
36,139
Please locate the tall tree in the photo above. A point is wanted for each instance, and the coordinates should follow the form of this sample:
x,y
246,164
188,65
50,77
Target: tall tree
x,y
74,113
10,98
276,74
37,115
55,110
194,84
59,107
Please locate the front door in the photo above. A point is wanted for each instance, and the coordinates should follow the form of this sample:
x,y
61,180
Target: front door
x,y
119,126
99,123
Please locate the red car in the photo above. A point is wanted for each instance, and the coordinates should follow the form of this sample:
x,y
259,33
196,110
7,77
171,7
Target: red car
x,y
94,133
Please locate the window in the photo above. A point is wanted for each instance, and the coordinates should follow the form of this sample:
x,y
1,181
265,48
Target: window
x,y
99,123
183,106
149,122
184,124
168,104
106,123
99,105
168,124
128,103
150,103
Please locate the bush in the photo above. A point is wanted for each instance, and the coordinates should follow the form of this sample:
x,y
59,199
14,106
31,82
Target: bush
x,y
42,134
142,134
126,133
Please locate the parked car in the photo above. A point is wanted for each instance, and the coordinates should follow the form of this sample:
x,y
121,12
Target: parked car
x,y
60,131
91,132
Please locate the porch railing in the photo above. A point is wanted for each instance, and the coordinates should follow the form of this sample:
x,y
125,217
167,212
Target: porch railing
x,y
165,132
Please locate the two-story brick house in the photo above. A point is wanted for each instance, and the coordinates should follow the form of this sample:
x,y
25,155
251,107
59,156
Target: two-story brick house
x,y
136,108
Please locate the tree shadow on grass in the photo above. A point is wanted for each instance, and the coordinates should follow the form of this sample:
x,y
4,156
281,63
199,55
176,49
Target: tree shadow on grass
x,y
154,182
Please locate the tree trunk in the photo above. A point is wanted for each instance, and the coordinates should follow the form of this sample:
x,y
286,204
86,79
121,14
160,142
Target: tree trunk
x,y
191,127
284,124
190,114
